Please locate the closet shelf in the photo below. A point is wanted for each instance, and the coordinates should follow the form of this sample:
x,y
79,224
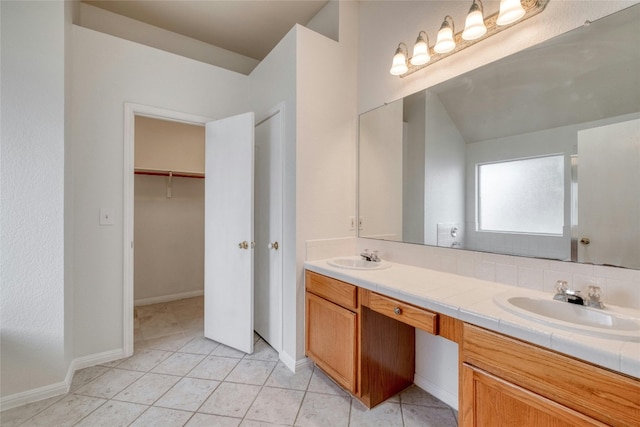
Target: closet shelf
x,y
178,174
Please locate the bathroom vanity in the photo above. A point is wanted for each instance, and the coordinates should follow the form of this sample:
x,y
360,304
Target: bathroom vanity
x,y
360,329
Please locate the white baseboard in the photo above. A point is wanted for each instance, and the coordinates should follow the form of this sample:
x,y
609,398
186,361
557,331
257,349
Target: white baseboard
x,y
33,395
446,396
293,364
62,387
166,298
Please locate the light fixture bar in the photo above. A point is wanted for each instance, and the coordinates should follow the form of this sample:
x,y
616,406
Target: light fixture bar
x,y
531,7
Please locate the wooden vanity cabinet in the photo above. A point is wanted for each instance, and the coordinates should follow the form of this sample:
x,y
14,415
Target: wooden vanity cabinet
x,y
331,339
508,382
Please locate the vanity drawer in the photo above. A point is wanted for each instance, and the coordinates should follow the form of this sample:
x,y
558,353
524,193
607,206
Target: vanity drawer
x,y
338,292
405,313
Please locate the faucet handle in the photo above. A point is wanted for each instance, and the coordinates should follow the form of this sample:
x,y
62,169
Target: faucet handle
x,y
594,297
562,286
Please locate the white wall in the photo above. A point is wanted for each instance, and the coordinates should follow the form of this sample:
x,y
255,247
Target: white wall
x,y
33,334
107,72
381,172
326,141
413,168
444,170
169,239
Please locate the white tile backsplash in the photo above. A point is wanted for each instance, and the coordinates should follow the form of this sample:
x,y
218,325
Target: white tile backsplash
x,y
620,286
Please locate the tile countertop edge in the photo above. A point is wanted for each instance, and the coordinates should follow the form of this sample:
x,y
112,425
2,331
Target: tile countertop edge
x,y
393,282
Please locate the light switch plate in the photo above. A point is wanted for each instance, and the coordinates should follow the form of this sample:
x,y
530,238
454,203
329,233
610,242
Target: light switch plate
x,y
106,216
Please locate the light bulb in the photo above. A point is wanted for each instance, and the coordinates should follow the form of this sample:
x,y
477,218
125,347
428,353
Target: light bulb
x,y
474,27
445,42
510,12
421,50
399,64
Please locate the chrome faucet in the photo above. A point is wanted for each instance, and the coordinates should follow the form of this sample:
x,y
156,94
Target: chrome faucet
x,y
565,294
370,256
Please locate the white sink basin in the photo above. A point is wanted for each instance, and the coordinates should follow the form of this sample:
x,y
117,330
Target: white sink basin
x,y
605,323
358,264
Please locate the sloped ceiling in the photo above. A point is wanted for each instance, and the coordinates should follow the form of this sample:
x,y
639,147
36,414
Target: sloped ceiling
x,y
248,27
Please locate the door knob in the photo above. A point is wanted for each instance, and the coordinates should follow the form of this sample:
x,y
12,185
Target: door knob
x,y
585,241
243,245
273,246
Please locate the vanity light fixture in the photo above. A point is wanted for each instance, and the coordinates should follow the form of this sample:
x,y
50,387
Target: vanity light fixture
x,y
476,28
421,50
445,42
399,65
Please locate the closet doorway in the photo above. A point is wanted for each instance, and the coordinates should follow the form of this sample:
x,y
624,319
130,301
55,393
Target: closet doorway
x,y
168,229
269,135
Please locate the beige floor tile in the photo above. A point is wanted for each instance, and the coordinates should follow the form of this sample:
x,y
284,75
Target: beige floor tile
x,y
321,383
162,417
200,345
188,394
113,414
231,400
324,410
66,412
178,364
263,351
207,420
283,377
276,405
252,423
113,363
110,383
414,395
214,368
145,359
147,389
425,416
16,416
85,376
172,342
225,351
386,414
251,372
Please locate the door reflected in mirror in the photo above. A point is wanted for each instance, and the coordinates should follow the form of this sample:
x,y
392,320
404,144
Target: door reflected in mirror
x,y
537,154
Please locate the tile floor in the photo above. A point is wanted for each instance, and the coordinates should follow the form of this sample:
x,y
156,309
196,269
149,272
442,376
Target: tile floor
x,y
176,377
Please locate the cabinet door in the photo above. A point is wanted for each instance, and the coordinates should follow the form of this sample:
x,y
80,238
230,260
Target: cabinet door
x,y
331,339
490,401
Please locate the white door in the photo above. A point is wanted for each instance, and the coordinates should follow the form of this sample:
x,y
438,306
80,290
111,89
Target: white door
x,y
609,158
268,230
228,231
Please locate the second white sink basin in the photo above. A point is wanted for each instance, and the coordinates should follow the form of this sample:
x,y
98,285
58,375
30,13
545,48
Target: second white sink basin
x,y
356,263
605,323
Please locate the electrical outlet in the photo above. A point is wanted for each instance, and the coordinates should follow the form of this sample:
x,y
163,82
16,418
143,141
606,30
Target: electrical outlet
x,y
361,223
352,223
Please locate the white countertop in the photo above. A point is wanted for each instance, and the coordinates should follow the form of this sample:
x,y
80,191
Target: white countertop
x,y
472,300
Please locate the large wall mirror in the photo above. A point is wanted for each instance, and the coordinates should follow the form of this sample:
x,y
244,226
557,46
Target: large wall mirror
x,y
537,154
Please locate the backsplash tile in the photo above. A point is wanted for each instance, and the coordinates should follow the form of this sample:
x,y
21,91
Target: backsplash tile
x,y
620,286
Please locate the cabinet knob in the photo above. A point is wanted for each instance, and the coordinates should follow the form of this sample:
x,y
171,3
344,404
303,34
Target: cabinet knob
x,y
397,310
585,241
273,246
243,245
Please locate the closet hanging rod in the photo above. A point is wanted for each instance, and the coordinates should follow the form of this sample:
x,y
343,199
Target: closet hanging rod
x,y
167,173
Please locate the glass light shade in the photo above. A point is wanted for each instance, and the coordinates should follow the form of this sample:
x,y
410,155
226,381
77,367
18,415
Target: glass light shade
x,y
420,52
510,12
399,65
474,27
445,42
